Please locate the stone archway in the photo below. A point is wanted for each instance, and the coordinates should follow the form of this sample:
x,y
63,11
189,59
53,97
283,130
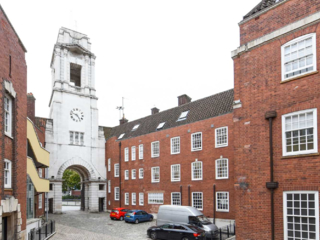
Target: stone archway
x,y
90,194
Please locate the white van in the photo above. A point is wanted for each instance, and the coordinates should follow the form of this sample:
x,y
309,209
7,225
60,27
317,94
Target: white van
x,y
187,215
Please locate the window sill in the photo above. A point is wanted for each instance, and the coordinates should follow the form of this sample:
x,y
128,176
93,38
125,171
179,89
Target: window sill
x,y
196,150
8,189
222,211
222,146
298,77
9,136
301,155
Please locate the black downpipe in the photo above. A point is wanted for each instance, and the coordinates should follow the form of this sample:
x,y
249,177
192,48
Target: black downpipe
x,y
189,196
120,173
181,195
271,185
214,204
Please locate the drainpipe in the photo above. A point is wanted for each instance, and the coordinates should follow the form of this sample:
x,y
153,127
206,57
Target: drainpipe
x,y
214,204
271,185
189,195
181,195
120,173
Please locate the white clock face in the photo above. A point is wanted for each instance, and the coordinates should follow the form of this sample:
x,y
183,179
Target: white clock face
x,y
76,115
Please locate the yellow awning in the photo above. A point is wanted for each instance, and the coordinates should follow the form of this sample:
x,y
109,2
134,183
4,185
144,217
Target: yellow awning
x,y
42,156
41,185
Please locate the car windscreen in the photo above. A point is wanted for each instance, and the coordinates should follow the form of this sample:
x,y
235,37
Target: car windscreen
x,y
204,220
115,211
130,213
195,229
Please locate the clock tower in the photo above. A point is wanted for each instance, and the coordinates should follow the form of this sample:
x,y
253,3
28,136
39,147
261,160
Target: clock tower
x,y
73,137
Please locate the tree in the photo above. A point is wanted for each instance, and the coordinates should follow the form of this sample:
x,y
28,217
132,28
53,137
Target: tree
x,y
71,180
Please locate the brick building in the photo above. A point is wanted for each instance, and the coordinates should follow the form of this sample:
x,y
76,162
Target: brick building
x,y
277,91
181,156
13,127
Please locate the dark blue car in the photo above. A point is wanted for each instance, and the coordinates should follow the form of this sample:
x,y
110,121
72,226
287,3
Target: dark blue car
x,y
136,216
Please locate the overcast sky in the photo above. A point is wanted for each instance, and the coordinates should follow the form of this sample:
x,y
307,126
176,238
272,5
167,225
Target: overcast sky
x,y
148,51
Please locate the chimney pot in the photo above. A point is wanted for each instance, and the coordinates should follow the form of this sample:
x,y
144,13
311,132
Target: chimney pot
x,y
183,99
123,120
31,109
154,110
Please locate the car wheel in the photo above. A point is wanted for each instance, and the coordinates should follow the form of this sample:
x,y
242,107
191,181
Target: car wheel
x,y
111,218
151,219
121,218
136,221
153,235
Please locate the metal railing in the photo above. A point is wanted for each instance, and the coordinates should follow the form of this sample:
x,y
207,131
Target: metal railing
x,y
224,233
71,202
44,232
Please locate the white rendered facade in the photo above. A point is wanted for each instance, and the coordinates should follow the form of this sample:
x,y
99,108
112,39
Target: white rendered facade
x,y
73,137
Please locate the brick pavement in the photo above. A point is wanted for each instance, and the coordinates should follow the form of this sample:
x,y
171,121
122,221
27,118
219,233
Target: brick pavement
x,y
79,225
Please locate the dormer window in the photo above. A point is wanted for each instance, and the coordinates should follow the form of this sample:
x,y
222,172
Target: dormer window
x,y
75,75
161,125
121,136
135,127
183,116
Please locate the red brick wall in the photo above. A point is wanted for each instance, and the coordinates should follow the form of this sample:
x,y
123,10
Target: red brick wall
x,y
207,155
14,149
258,85
31,107
289,12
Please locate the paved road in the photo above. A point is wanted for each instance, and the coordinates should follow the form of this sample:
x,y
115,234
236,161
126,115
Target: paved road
x,y
78,225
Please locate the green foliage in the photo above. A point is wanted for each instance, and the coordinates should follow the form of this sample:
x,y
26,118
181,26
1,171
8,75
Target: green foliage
x,y
71,197
71,180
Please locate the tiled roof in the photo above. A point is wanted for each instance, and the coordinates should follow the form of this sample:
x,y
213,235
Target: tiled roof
x,y
261,6
212,106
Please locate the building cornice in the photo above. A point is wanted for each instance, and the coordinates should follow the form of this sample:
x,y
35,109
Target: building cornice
x,y
312,19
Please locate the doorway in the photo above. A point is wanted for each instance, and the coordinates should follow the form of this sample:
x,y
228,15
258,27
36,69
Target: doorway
x,y
5,228
101,204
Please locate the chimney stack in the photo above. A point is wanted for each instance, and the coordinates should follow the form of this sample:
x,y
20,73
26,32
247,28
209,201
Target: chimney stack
x,y
123,120
154,110
183,99
31,109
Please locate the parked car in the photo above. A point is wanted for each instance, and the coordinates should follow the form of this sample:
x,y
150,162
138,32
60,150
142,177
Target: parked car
x,y
118,213
175,231
186,215
137,216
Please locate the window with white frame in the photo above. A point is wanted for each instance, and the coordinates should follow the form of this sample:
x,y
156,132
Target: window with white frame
x,y
155,174
126,174
299,132
133,174
7,173
133,153
109,164
155,198
109,186
175,145
196,141
116,170
40,172
126,154
175,173
197,200
161,125
222,137
121,136
141,199
140,173
116,193
8,115
141,151
126,199
301,215
196,170
222,168
299,56
155,149
133,199
40,201
222,201
183,116
175,198
76,138
135,127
